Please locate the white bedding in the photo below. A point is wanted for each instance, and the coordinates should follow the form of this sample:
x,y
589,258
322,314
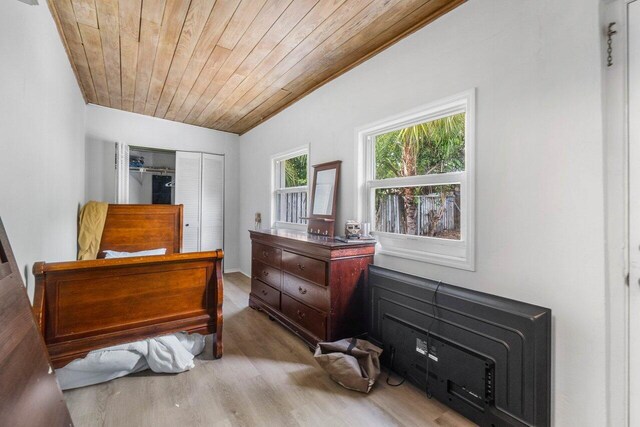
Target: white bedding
x,y
169,354
116,254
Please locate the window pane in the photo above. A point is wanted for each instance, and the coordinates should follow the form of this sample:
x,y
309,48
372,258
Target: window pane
x,y
291,207
295,171
426,148
431,210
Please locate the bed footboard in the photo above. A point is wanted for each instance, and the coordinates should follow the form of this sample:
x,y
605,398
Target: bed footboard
x,y
86,305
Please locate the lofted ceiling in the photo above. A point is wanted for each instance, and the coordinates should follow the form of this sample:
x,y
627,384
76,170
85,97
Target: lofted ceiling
x,y
225,64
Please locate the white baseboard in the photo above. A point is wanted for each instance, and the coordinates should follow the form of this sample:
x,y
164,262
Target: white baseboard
x,y
235,270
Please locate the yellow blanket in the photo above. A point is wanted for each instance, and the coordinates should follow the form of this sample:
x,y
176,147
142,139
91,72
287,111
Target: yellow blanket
x,y
92,218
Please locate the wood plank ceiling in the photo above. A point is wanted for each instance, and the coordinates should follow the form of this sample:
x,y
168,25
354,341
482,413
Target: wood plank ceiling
x,y
225,64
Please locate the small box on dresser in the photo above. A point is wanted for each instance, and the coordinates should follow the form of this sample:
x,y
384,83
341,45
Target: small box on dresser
x,y
312,285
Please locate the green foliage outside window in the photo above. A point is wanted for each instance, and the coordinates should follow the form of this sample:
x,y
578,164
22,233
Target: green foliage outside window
x,y
423,149
295,171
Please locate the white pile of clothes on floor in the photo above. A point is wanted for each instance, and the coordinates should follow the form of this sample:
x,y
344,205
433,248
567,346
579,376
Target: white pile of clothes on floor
x,y
168,354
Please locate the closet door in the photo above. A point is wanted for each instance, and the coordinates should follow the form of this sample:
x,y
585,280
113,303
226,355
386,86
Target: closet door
x,y
188,175
212,219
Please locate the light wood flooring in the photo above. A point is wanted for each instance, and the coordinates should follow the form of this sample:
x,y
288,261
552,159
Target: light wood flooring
x,y
267,377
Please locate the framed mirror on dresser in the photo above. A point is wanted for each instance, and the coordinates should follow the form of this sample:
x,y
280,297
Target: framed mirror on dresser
x,y
324,198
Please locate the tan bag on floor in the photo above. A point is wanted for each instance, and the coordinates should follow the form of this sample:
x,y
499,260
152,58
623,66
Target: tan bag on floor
x,y
352,363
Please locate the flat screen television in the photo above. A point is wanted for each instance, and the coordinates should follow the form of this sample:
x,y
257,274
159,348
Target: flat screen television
x,y
487,357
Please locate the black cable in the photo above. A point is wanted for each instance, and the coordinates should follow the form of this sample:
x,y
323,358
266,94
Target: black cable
x,y
433,319
393,354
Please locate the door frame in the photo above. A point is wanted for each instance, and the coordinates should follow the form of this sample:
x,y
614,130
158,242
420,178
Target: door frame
x,y
633,297
617,189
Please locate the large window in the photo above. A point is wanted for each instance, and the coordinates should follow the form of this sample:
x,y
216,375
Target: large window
x,y
416,182
290,188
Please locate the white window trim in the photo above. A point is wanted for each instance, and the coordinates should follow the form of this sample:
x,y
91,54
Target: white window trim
x,y
451,253
276,187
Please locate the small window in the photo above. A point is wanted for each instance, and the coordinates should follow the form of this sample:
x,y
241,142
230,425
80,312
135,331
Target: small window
x,y
290,184
416,186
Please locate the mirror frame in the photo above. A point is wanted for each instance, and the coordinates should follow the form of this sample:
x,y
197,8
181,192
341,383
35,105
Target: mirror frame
x,y
324,225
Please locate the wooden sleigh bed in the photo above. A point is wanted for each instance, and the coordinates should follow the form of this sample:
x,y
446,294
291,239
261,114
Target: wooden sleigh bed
x,y
87,305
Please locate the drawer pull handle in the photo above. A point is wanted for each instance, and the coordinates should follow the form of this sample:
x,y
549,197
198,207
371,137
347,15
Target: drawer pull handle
x,y
265,254
300,314
264,292
265,273
300,267
302,291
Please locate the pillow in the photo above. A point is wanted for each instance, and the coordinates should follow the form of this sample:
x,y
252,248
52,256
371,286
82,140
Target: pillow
x,y
116,254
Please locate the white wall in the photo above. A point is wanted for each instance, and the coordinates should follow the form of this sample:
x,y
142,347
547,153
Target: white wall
x,y
105,126
539,188
42,116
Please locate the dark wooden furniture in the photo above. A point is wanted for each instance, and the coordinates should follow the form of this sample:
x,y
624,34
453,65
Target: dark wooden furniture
x,y
312,285
319,222
29,392
86,305
132,228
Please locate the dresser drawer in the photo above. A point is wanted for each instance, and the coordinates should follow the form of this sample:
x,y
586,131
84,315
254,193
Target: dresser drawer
x,y
312,320
266,293
266,273
307,292
310,269
266,254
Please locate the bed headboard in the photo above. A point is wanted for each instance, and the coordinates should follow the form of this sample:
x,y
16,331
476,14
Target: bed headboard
x,y
132,228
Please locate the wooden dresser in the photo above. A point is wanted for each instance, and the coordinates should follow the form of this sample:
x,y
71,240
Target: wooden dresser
x,y
312,285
